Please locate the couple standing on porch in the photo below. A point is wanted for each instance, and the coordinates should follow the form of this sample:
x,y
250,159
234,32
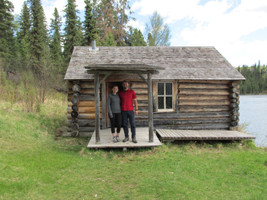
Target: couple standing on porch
x,y
120,109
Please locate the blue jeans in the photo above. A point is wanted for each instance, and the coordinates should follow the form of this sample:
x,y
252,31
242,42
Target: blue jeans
x,y
125,116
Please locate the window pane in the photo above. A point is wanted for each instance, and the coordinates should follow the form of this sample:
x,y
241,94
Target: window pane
x,y
168,102
160,88
161,103
168,89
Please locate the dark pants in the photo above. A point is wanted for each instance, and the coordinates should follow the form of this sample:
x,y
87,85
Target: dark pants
x,y
125,116
115,121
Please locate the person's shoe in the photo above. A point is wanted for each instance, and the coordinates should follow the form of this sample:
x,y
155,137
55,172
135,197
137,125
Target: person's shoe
x,y
114,139
125,139
134,140
118,138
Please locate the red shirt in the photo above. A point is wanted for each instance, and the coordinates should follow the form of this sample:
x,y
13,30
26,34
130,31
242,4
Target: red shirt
x,y
127,99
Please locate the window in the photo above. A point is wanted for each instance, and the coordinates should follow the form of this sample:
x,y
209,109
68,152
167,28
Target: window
x,y
164,96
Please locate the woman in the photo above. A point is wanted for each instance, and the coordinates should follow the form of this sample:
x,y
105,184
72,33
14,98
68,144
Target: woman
x,y
114,111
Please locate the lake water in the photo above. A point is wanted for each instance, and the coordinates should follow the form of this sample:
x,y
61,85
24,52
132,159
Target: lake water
x,y
253,114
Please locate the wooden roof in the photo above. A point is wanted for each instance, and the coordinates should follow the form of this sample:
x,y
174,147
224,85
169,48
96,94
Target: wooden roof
x,y
184,63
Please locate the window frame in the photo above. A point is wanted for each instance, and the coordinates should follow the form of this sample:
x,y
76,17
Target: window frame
x,y
164,97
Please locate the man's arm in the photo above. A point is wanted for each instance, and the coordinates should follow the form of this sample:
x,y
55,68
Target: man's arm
x,y
136,106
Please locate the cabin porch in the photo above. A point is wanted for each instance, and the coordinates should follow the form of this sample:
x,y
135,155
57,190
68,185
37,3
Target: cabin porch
x,y
164,135
201,135
142,136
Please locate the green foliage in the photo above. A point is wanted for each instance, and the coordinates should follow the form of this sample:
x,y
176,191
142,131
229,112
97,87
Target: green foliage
x,y
109,41
136,38
23,38
158,33
39,39
7,40
73,30
256,79
89,23
24,23
40,55
150,40
55,44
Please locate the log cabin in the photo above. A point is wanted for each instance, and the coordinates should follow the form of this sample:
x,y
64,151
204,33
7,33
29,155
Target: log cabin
x,y
186,88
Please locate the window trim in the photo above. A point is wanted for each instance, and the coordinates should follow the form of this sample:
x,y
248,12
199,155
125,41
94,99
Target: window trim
x,y
164,96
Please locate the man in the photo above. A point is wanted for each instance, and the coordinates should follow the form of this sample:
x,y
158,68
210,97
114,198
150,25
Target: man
x,y
128,98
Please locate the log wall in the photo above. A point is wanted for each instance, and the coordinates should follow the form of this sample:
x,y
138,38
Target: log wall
x,y
234,106
86,109
202,105
196,105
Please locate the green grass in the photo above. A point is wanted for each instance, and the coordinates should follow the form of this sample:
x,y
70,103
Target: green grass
x,y
33,165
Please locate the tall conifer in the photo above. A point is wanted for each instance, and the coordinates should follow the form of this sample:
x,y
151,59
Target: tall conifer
x,y
7,41
73,31
24,22
39,38
110,40
40,59
55,46
23,36
89,23
136,38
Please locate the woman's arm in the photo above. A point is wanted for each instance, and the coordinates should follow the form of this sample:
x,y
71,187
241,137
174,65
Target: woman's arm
x,y
109,107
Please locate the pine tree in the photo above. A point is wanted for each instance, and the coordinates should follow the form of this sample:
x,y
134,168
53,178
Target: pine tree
x,y
136,38
23,36
24,23
110,40
158,32
150,40
55,46
89,23
73,30
39,39
40,58
7,41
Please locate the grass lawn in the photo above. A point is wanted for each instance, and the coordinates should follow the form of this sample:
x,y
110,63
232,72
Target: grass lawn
x,y
33,165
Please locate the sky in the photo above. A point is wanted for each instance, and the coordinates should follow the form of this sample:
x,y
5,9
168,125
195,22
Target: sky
x,y
236,28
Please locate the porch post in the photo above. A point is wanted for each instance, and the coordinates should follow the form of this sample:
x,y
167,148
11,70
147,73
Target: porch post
x,y
97,110
103,104
150,107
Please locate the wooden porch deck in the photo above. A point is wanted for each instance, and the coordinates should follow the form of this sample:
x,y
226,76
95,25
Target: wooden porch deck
x,y
142,136
172,135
